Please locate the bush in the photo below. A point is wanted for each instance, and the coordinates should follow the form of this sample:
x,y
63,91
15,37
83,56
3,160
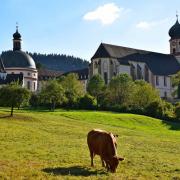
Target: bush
x,y
177,111
155,109
160,109
87,102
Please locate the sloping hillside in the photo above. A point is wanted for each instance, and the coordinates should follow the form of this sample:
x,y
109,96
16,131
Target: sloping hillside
x,y
52,145
59,62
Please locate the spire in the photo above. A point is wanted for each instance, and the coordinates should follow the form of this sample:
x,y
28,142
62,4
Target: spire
x,y
16,26
16,39
177,15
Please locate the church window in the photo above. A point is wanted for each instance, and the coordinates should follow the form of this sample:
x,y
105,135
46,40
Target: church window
x,y
99,62
133,73
165,95
105,78
165,81
111,62
96,65
34,85
29,85
174,50
29,74
157,80
146,73
139,72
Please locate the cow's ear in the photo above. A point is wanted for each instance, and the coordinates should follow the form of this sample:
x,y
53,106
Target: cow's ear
x,y
120,159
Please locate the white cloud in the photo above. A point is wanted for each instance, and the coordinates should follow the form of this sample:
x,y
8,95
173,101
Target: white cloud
x,y
106,14
145,25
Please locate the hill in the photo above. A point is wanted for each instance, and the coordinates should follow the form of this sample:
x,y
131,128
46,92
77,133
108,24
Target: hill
x,y
52,145
59,62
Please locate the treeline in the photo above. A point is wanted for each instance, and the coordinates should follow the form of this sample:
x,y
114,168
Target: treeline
x,y
122,94
59,62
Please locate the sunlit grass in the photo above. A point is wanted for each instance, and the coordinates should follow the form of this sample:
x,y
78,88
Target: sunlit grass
x,y
52,145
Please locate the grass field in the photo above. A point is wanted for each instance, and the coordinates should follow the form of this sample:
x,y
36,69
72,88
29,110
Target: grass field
x,y
52,145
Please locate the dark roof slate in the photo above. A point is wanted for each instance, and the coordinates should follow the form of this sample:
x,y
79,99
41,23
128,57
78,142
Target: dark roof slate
x,y
12,78
18,59
82,73
159,64
49,73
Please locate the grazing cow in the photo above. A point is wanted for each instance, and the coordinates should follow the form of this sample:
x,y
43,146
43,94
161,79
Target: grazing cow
x,y
103,144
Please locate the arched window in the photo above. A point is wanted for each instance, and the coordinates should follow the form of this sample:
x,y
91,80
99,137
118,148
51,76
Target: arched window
x,y
29,85
133,72
146,72
139,72
174,50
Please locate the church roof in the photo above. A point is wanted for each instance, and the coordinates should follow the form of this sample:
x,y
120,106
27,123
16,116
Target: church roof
x,y
12,78
158,63
174,32
82,73
18,59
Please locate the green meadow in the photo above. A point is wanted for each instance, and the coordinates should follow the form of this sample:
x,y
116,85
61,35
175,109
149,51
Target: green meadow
x,y
52,145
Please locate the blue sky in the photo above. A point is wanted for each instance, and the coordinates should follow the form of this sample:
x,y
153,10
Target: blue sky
x,y
77,27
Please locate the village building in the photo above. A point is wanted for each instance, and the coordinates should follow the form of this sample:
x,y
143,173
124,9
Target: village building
x,y
155,68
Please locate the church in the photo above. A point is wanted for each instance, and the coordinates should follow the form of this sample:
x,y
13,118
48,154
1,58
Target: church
x,y
16,65
153,67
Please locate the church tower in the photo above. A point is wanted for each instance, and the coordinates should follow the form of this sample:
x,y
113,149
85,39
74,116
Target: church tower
x,y
174,33
16,40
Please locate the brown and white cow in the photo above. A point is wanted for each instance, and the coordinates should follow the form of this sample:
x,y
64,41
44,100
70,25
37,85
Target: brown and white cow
x,y
103,144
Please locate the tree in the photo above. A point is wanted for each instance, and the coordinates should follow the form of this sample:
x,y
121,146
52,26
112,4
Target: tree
x,y
13,95
52,93
87,102
143,95
95,85
73,88
176,84
120,89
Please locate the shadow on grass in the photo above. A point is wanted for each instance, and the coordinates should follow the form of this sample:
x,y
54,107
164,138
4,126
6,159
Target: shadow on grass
x,y
74,171
173,125
5,116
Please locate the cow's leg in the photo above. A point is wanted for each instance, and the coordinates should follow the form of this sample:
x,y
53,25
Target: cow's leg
x,y
103,165
92,156
107,166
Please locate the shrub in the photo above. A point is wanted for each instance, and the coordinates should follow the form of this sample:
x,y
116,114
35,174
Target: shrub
x,y
155,109
87,102
177,111
160,109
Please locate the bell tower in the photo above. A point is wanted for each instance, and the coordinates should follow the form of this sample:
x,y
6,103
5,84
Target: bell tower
x,y
16,40
174,33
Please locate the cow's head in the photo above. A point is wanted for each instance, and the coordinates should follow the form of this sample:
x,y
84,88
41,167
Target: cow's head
x,y
113,163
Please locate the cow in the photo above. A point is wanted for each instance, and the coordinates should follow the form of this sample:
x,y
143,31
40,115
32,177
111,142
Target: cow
x,y
104,144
